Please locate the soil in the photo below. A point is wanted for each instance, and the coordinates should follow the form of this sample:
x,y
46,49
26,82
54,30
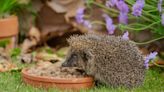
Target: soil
x,y
50,70
6,66
5,61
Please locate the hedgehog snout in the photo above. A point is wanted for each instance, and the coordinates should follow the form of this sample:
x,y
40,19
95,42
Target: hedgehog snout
x,y
71,61
64,64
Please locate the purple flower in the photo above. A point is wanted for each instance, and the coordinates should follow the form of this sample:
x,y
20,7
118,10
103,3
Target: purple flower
x,y
80,18
87,24
152,55
146,64
162,18
123,18
160,5
122,6
79,15
137,7
109,24
126,36
111,3
124,9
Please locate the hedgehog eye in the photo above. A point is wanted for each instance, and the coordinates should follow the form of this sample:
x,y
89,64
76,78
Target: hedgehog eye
x,y
74,55
86,57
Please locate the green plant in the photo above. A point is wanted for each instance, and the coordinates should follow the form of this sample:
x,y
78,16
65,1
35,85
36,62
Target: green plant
x,y
133,15
4,42
11,82
8,7
15,52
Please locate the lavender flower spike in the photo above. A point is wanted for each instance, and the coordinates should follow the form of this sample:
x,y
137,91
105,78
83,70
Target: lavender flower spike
x,y
160,5
137,7
124,9
111,3
126,36
87,24
162,18
149,57
79,15
109,24
123,18
80,18
122,6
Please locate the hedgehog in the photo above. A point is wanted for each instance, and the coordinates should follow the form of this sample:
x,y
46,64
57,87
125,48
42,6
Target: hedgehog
x,y
111,60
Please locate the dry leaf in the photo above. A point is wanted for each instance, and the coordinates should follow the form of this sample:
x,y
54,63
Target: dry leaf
x,y
51,24
34,33
69,7
32,40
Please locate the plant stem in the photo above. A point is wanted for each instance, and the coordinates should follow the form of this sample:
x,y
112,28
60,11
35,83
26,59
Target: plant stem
x,y
146,5
144,12
142,43
116,11
138,29
104,7
152,10
157,64
150,15
98,22
139,25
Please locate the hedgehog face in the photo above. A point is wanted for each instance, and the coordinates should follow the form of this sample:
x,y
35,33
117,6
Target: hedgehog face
x,y
76,59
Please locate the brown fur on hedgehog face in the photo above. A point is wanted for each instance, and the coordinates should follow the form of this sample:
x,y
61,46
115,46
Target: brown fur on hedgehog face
x,y
77,58
111,60
80,54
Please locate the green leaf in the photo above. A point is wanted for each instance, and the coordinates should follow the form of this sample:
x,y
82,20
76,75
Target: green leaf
x,y
8,7
15,52
4,42
89,2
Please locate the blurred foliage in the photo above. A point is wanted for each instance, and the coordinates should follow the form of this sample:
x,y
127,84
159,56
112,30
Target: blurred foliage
x,y
8,7
15,52
4,42
22,10
149,20
62,52
89,3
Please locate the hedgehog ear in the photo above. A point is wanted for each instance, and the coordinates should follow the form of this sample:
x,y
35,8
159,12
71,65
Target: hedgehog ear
x,y
72,39
69,40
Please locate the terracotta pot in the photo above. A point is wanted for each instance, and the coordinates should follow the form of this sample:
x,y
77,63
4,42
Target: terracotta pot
x,y
59,83
8,26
